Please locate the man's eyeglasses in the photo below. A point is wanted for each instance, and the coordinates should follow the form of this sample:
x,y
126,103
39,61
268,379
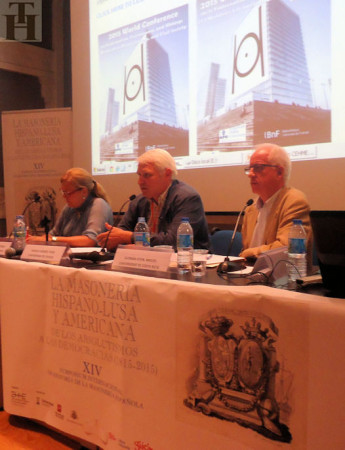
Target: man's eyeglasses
x,y
257,168
68,194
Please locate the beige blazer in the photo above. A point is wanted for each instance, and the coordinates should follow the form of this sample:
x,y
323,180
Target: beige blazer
x,y
290,204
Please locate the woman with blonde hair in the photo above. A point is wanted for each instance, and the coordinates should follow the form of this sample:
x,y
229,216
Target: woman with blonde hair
x,y
85,214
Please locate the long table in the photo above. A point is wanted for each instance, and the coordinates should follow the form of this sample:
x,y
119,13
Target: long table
x,y
127,361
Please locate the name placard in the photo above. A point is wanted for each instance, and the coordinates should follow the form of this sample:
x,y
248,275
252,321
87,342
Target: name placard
x,y
141,258
51,254
4,245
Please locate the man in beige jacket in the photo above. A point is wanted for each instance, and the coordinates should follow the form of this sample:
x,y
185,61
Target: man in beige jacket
x,y
267,222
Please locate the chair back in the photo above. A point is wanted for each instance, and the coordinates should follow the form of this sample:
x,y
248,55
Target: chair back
x,y
220,241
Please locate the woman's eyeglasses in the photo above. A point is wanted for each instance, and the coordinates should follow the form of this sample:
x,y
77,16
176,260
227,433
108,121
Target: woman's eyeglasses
x,y
68,194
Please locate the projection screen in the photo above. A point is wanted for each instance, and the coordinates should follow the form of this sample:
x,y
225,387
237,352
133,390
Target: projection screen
x,y
208,81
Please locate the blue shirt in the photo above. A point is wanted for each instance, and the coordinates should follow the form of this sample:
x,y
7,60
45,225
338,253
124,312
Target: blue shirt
x,y
88,220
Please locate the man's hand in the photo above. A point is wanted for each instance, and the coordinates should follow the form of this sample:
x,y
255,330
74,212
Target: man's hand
x,y
250,253
117,236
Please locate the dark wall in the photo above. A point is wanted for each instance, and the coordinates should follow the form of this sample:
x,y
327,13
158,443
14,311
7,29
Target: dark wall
x,y
18,91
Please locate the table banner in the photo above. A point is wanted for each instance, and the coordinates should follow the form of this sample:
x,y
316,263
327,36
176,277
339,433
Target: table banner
x,y
126,361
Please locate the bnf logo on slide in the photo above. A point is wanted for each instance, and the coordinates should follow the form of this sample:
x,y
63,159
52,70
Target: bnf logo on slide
x,y
249,53
21,20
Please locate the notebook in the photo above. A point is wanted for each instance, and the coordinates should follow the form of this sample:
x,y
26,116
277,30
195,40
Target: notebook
x,y
329,240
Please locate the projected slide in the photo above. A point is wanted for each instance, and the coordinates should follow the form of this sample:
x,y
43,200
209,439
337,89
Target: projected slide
x,y
144,72
209,80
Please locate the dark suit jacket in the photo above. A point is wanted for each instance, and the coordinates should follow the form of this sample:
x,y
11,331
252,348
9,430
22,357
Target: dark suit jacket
x,y
181,201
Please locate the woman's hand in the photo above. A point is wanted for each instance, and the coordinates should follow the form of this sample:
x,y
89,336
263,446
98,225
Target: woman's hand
x,y
42,238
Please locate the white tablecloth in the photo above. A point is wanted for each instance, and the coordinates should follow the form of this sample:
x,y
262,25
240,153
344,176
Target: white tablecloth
x,y
125,361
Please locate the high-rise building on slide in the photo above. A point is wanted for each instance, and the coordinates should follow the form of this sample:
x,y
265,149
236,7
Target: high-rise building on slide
x,y
269,58
148,93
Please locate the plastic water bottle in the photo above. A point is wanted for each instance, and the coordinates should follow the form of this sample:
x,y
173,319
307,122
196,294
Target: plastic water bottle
x,y
142,233
19,233
297,251
184,246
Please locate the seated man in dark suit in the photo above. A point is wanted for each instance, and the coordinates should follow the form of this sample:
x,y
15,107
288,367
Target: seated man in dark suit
x,y
163,203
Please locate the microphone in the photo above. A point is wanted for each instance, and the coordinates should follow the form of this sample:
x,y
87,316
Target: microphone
x,y
93,256
232,266
132,197
11,252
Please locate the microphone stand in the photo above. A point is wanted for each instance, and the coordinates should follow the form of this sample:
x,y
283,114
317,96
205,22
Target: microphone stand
x,y
103,254
44,223
104,249
232,266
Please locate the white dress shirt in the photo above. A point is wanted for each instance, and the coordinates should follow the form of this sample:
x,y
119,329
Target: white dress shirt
x,y
264,210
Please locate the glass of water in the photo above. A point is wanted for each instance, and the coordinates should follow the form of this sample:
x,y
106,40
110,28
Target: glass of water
x,y
199,262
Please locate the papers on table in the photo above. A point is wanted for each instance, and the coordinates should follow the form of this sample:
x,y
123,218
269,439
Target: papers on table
x,y
85,249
